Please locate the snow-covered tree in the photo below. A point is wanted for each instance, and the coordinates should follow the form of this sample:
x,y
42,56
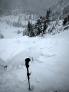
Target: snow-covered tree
x,y
30,29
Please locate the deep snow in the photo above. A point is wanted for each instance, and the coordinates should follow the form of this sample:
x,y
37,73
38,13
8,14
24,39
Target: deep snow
x,y
49,63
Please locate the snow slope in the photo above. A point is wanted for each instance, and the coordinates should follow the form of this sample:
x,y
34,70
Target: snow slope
x,y
49,63
49,58
13,25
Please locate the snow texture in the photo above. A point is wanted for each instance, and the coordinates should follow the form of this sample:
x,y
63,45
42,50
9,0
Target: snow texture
x,y
49,61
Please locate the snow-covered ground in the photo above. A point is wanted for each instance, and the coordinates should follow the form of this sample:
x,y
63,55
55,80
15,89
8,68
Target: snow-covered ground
x,y
49,62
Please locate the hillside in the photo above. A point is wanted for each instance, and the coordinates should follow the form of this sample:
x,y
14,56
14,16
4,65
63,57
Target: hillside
x,y
58,8
49,59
